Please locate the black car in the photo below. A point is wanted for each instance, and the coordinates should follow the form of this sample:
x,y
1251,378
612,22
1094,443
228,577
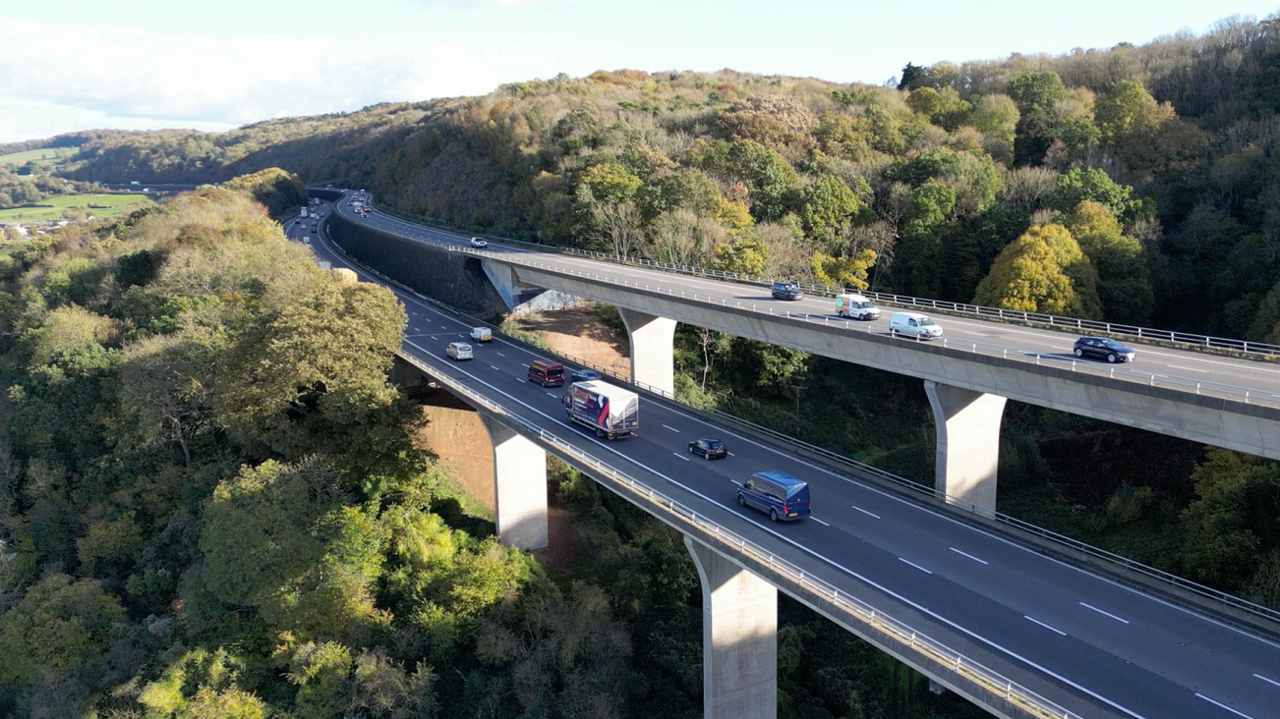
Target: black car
x,y
584,375
1103,348
709,448
787,291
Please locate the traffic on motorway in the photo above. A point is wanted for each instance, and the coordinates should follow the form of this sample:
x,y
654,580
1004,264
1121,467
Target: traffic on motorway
x,y
1183,369
1072,636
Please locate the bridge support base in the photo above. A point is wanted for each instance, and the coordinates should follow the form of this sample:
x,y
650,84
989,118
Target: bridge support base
x,y
519,487
739,639
652,349
968,445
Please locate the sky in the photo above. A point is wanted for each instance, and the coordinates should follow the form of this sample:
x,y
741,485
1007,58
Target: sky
x,y
147,64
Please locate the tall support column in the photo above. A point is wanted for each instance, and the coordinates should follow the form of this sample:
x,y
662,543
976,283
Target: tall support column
x,y
968,444
519,487
739,639
652,349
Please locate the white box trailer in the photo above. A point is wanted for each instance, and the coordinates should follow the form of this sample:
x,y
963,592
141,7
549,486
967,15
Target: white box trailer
x,y
611,411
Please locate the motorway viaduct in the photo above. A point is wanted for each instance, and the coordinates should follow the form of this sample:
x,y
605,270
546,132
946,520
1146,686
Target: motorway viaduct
x,y
740,580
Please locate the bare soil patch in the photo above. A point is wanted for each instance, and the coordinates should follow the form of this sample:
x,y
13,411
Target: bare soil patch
x,y
578,333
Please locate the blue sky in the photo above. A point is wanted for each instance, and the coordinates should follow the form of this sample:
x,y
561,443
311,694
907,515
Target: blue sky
x,y
141,64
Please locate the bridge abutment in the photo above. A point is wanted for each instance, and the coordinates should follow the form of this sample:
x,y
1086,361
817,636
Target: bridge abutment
x,y
968,444
652,349
519,487
739,639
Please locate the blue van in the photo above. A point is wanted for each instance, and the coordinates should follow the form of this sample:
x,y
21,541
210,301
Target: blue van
x,y
778,494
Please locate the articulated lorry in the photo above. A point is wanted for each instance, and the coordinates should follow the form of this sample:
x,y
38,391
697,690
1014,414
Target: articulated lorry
x,y
611,411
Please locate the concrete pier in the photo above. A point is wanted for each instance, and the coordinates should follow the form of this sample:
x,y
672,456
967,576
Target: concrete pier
x,y
739,639
968,445
519,487
652,349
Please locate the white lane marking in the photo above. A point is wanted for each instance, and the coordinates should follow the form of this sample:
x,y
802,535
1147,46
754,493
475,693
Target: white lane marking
x,y
736,482
860,509
1046,626
1224,706
415,314
970,556
1269,681
1105,614
433,338
681,456
819,521
495,368
549,394
729,453
917,566
501,355
1189,369
673,429
866,580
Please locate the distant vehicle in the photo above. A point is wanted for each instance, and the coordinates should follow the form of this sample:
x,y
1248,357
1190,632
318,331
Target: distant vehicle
x,y
777,494
611,411
482,334
786,291
546,373
306,241
477,242
857,307
1103,348
584,375
304,211
913,324
458,351
709,448
134,182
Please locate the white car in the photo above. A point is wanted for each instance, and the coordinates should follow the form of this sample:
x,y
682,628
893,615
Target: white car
x,y
477,242
482,334
458,351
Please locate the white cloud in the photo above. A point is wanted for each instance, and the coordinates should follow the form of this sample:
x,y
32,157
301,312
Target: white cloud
x,y
142,79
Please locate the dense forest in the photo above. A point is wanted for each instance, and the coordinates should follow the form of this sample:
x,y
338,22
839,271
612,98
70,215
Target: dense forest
x,y
212,504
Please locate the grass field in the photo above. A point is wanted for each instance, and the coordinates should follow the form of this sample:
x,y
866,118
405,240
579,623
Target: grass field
x,y
96,205
54,155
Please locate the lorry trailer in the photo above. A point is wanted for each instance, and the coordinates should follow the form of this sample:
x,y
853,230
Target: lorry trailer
x,y
611,411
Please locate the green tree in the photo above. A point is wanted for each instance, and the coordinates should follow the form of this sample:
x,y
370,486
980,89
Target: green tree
x,y
768,178
610,182
61,628
826,207
1093,185
996,117
1233,521
920,250
1124,284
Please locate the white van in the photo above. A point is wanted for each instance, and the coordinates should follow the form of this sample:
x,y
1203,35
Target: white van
x,y
857,307
914,324
459,351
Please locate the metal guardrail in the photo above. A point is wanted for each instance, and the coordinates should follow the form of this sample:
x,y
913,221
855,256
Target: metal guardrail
x,y
1261,350
641,494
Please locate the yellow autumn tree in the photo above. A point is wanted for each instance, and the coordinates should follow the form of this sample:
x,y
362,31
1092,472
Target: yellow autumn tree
x,y
1044,270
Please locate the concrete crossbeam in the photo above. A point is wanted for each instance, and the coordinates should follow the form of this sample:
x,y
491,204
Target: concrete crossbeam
x,y
519,487
652,349
739,639
968,444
